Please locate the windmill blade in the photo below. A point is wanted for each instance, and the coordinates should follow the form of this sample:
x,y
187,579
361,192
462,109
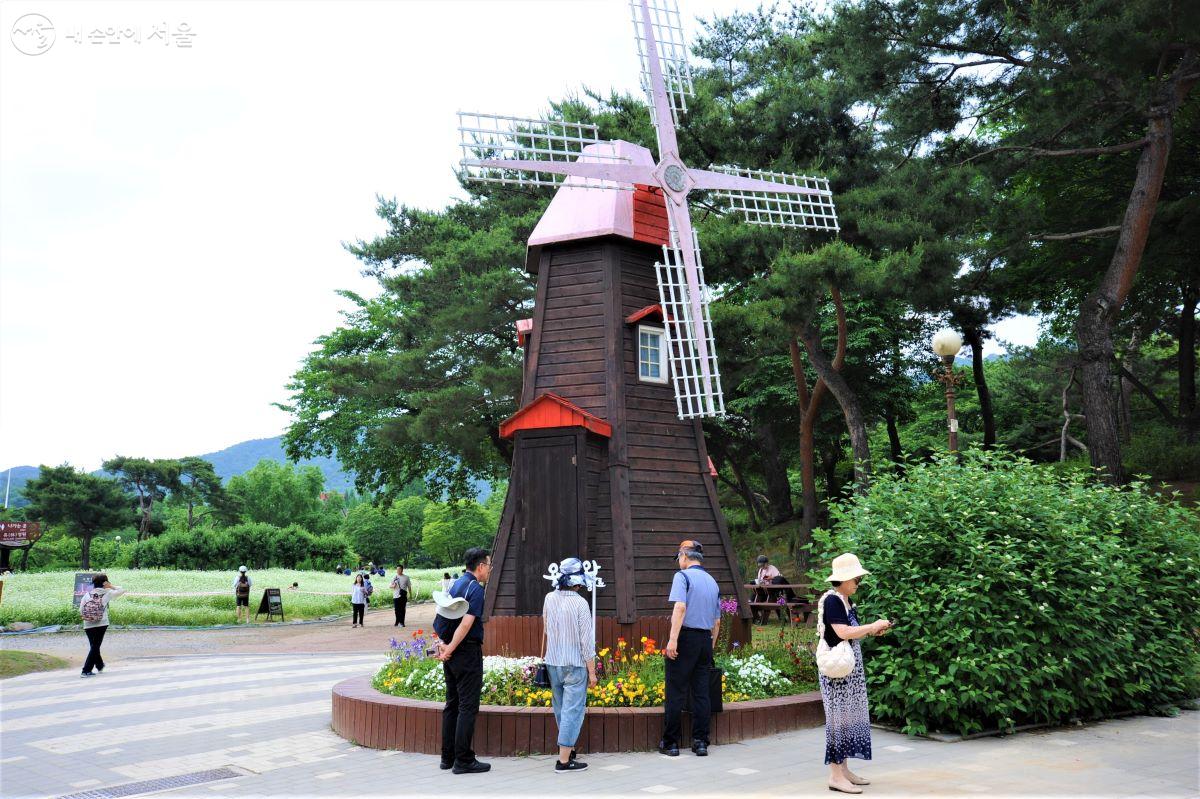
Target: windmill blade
x,y
671,49
697,390
800,201
525,146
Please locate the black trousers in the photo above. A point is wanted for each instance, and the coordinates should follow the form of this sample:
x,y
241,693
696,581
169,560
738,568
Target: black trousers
x,y
399,604
356,612
95,636
688,670
464,684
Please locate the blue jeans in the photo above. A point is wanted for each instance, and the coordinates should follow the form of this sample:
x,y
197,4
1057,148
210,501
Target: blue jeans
x,y
568,689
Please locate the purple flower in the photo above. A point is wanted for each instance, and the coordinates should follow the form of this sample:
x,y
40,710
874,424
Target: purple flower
x,y
729,606
781,601
737,645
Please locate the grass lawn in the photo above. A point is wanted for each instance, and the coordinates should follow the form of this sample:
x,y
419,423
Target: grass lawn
x,y
14,664
45,598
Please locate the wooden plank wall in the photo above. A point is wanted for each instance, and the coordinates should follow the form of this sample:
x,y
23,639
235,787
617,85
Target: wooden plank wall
x,y
668,498
570,341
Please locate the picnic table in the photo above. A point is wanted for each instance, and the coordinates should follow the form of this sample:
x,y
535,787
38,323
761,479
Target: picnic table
x,y
789,592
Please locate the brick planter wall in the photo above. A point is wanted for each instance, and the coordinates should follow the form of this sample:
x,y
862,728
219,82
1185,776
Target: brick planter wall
x,y
381,721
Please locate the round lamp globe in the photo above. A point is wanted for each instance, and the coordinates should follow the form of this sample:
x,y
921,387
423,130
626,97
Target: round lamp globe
x,y
947,343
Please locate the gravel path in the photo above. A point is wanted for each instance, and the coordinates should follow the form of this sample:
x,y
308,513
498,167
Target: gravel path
x,y
323,637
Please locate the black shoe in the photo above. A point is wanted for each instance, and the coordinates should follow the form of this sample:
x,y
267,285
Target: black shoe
x,y
573,754
670,750
570,765
700,748
446,765
87,674
472,768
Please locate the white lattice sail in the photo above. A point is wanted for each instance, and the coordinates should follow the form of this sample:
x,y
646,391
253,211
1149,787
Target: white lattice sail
x,y
695,396
672,53
810,210
492,137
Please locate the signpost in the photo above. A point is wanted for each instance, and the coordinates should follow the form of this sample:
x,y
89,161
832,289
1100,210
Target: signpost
x,y
17,535
271,604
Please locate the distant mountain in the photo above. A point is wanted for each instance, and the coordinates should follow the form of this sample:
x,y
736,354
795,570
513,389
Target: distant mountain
x,y
15,480
239,459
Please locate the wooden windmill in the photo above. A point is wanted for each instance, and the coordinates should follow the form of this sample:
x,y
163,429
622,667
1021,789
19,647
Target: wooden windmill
x,y
609,459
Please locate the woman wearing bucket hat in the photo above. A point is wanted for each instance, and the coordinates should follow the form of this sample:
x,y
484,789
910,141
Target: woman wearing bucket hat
x,y
847,719
570,656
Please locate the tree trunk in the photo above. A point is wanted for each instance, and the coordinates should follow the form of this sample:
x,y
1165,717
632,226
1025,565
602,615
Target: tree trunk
x,y
779,490
1100,309
747,494
845,396
974,337
1187,363
893,432
25,558
1125,388
86,545
810,406
191,516
829,462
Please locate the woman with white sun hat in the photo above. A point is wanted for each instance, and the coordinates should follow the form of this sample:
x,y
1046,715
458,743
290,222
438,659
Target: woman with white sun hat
x,y
847,718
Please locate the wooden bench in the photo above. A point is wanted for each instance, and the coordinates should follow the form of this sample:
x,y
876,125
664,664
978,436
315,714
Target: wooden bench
x,y
791,607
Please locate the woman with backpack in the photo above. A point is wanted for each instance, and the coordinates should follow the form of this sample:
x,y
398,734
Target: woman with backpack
x,y
358,601
93,607
241,593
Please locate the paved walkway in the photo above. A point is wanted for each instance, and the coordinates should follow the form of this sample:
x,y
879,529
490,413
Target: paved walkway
x,y
259,725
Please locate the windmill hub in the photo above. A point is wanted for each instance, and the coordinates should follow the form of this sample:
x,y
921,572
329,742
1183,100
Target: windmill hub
x,y
675,177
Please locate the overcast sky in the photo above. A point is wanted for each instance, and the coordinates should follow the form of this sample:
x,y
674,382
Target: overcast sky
x,y
172,218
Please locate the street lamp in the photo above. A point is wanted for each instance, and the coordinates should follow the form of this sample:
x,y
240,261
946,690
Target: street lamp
x,y
946,344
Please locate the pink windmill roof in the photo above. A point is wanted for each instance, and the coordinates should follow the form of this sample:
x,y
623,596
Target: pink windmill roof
x,y
577,212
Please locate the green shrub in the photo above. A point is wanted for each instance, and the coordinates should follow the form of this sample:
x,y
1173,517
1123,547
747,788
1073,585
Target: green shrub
x,y
1021,595
1157,451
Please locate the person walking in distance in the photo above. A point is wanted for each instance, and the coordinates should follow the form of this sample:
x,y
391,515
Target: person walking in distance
x,y
461,653
401,585
695,624
93,607
358,601
241,593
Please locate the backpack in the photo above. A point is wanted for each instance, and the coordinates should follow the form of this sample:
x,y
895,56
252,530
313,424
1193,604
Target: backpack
x,y
243,589
92,608
368,589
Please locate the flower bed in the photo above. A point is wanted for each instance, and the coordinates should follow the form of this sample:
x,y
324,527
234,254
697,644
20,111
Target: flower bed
x,y
628,675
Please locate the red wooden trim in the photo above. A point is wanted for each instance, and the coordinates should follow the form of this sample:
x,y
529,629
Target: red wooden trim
x,y
644,313
712,469
650,222
524,328
551,410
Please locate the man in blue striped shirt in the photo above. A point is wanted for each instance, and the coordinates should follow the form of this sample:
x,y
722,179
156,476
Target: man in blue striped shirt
x,y
695,624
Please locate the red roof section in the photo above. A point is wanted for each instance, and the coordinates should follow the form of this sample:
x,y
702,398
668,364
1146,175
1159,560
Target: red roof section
x,y
649,311
551,410
650,222
524,328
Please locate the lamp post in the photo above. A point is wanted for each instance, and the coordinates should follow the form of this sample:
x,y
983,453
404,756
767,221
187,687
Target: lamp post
x,y
946,344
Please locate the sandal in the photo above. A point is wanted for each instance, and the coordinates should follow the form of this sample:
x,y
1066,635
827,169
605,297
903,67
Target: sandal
x,y
852,789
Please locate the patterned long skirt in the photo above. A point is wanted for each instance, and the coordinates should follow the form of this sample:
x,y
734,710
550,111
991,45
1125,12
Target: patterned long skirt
x,y
847,720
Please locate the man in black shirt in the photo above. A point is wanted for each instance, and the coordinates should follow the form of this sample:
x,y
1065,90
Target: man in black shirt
x,y
461,653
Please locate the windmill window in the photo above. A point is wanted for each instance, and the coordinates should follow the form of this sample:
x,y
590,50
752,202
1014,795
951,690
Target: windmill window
x,y
652,354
